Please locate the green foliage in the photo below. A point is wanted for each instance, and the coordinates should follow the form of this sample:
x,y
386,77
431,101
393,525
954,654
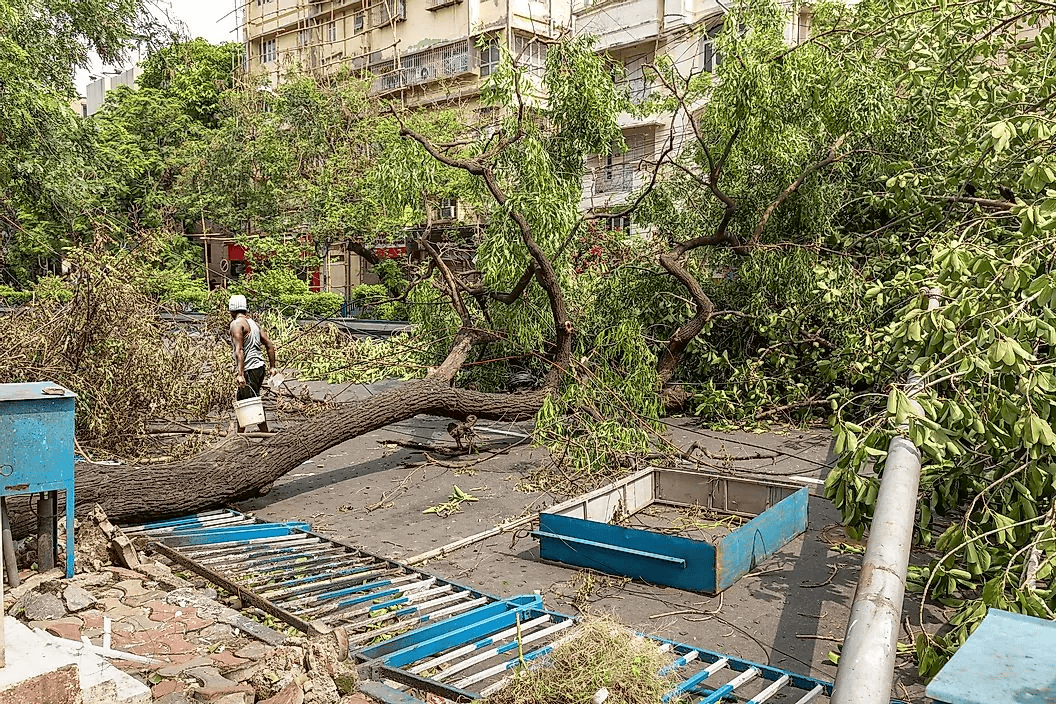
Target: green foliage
x,y
975,206
12,297
281,290
377,303
342,359
97,334
43,148
195,74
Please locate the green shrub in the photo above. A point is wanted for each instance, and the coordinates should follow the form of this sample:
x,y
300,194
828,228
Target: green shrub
x,y
177,286
306,305
374,301
53,289
11,297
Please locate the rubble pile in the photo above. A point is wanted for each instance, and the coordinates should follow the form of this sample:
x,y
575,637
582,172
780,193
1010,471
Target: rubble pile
x,y
175,633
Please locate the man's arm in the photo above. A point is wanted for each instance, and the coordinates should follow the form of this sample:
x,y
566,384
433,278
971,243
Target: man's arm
x,y
266,341
238,334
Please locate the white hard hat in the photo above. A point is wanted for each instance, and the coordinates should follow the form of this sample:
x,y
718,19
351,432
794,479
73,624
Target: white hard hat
x,y
237,303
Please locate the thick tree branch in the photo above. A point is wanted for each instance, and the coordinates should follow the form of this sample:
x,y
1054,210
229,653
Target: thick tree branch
x,y
829,159
545,273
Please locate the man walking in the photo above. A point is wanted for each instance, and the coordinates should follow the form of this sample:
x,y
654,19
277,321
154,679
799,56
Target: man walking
x,y
247,339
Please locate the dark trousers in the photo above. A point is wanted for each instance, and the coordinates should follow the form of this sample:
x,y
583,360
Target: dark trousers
x,y
254,380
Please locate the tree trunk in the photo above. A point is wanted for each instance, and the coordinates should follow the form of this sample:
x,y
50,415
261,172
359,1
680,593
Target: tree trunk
x,y
239,468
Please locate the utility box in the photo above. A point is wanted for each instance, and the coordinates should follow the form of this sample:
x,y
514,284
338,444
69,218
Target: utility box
x,y
36,452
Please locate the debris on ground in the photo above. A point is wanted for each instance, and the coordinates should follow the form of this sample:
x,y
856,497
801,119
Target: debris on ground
x,y
170,630
599,660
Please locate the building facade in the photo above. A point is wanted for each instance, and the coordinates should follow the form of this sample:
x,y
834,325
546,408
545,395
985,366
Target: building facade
x,y
95,92
440,51
426,50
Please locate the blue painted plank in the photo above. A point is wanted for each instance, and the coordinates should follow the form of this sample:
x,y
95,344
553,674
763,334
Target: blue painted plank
x,y
739,665
456,637
1009,658
697,574
194,520
420,635
740,551
385,694
224,535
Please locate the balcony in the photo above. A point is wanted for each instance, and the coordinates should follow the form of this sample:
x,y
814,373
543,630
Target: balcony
x,y
435,64
434,5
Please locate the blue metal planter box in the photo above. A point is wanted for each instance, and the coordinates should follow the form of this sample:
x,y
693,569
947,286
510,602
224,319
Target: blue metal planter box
x,y
36,445
579,532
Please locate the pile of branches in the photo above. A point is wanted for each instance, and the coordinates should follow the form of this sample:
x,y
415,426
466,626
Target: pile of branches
x,y
101,337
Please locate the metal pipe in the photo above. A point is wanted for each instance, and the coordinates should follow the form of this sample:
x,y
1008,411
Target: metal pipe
x,y
867,660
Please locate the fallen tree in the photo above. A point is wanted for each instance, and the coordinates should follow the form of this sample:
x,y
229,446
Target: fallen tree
x,y
607,374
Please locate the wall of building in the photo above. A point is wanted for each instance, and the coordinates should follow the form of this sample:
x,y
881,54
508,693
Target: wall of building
x,y
95,92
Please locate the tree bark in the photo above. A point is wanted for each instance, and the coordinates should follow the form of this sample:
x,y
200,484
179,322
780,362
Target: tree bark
x,y
238,468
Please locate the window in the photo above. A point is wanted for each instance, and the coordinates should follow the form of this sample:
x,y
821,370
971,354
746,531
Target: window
x,y
304,37
489,57
331,32
382,12
359,22
456,58
529,51
447,209
268,51
616,170
709,57
634,77
618,223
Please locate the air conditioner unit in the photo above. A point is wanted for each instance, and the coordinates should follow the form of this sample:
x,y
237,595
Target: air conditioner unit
x,y
447,211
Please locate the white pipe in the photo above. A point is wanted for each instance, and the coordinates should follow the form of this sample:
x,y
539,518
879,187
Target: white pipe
x,y
867,660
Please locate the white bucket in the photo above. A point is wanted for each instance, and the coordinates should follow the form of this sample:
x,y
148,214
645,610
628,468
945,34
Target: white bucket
x,y
249,411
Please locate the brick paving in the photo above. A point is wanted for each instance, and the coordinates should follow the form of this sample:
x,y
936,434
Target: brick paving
x,y
198,658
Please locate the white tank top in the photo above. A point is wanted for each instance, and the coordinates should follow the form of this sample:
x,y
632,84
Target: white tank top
x,y
251,347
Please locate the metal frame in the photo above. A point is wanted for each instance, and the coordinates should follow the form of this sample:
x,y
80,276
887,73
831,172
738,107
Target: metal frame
x,y
580,531
464,647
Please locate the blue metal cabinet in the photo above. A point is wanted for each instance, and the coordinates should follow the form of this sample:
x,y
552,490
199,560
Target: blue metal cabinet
x,y
36,445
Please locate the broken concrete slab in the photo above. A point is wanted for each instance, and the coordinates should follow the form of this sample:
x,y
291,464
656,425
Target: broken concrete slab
x,y
215,686
31,583
34,653
292,693
209,608
43,606
77,599
59,686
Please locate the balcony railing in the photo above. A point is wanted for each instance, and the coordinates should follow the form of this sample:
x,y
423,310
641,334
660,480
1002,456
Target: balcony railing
x,y
434,64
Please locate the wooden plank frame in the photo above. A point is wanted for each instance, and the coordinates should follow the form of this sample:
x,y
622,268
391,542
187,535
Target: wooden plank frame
x,y
580,531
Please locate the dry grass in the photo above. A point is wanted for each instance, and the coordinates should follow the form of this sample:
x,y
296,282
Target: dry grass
x,y
601,653
107,344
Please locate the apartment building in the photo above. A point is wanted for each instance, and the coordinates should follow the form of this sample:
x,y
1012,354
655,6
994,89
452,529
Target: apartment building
x,y
428,51
439,52
636,33
95,92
